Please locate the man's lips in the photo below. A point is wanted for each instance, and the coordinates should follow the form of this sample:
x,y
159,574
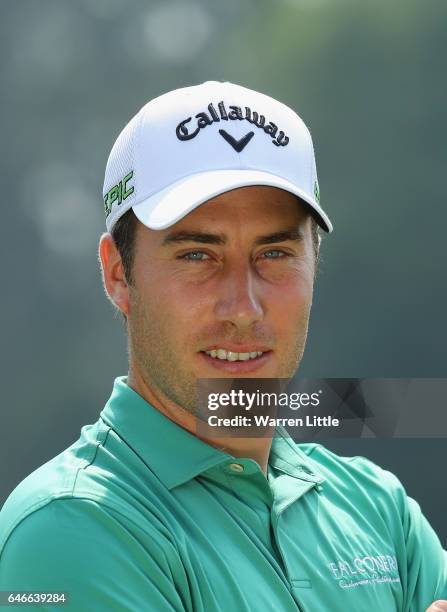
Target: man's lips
x,y
237,367
238,348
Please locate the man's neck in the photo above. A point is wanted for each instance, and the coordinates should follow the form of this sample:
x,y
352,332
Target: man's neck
x,y
257,449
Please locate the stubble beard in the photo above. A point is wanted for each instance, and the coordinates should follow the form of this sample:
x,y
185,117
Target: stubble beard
x,y
166,375
156,359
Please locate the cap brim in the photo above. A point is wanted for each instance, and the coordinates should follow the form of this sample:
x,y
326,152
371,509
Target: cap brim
x,y
169,205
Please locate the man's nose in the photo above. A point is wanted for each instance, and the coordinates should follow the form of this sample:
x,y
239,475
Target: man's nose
x,y
239,299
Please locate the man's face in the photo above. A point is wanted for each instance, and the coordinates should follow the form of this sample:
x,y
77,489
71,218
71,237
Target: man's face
x,y
234,276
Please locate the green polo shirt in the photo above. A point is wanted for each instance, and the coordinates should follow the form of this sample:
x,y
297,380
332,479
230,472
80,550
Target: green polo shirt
x,y
141,515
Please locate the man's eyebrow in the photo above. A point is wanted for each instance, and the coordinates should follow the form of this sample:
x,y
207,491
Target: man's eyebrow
x,y
282,236
220,239
185,236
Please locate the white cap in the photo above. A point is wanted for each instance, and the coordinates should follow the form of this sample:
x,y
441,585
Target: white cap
x,y
192,144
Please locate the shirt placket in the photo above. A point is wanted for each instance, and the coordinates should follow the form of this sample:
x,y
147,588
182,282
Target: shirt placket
x,y
287,489
296,488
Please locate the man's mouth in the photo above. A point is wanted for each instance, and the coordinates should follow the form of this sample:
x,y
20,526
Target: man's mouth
x,y
225,355
237,359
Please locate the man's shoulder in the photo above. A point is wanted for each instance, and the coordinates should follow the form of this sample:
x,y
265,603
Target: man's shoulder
x,y
54,480
99,472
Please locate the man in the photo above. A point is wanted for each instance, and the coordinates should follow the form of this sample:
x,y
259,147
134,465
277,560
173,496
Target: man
x,y
212,205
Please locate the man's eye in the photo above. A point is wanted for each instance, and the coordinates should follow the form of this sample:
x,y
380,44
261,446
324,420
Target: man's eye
x,y
274,254
195,256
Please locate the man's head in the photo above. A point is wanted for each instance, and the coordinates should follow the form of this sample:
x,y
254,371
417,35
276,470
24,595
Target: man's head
x,y
212,205
236,274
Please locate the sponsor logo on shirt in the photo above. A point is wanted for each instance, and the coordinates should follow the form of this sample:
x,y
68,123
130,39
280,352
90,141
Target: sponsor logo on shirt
x,y
365,570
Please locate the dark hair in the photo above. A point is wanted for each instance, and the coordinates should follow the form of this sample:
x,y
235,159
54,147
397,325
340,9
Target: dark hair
x,y
123,234
124,230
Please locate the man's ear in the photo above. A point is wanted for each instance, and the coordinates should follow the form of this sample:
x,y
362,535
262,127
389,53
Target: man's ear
x,y
113,277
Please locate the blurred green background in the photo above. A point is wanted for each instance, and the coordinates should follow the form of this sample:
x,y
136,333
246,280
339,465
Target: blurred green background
x,y
369,78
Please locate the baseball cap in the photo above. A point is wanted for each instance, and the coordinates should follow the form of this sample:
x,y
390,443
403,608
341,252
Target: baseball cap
x,y
192,144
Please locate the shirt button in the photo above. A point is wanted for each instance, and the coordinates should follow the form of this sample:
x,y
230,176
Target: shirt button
x,y
236,467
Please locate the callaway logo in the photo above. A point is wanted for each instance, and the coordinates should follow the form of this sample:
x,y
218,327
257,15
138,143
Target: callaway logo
x,y
233,113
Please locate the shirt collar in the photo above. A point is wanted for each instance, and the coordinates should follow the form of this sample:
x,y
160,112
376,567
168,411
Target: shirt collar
x,y
174,454
287,457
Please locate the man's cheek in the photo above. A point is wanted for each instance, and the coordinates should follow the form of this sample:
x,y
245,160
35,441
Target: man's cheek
x,y
294,300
